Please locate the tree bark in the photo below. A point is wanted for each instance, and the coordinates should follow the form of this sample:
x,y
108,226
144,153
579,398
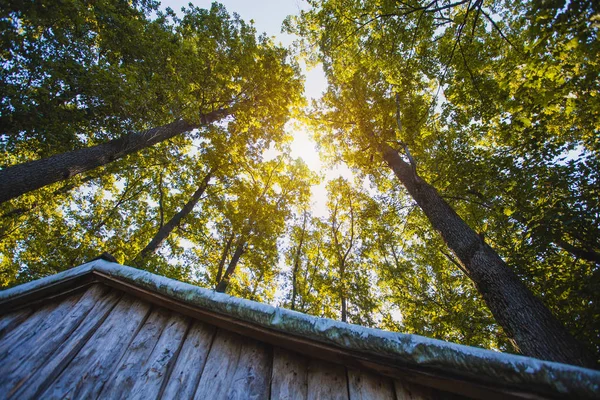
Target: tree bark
x,y
588,255
344,306
239,250
167,228
224,258
522,315
297,264
23,178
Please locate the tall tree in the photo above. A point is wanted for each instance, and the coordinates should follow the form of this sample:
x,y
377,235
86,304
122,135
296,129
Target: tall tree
x,y
343,221
381,60
166,229
216,68
263,199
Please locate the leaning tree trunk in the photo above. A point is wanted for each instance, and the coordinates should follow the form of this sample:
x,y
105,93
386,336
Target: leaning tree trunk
x,y
23,178
523,316
167,228
239,250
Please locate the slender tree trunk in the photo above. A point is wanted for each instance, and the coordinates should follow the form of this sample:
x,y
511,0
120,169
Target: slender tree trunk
x,y
256,283
522,315
343,293
224,258
297,265
23,178
239,250
588,255
167,228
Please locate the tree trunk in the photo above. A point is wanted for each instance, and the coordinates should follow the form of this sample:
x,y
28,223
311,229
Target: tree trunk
x,y
223,258
588,255
167,228
343,301
297,264
522,315
239,250
23,178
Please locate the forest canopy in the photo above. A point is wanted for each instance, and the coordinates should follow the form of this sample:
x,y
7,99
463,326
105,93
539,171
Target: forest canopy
x,y
472,130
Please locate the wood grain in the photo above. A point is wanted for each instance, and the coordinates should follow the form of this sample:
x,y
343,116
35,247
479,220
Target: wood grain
x,y
253,373
237,368
289,378
155,371
326,381
363,385
220,366
126,373
31,385
25,359
185,376
85,375
38,322
10,321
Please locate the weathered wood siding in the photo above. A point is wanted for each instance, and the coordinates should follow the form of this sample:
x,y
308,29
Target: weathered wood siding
x,y
106,344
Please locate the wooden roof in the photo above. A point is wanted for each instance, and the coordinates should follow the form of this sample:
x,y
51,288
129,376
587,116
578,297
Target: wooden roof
x,y
440,365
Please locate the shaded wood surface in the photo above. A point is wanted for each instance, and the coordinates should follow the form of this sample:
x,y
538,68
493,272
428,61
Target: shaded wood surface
x,y
189,365
326,381
220,366
159,363
85,375
10,321
39,380
127,372
106,344
405,391
21,362
365,385
37,322
289,381
252,376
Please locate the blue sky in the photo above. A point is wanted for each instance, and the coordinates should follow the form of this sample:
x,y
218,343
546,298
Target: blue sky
x,y
268,15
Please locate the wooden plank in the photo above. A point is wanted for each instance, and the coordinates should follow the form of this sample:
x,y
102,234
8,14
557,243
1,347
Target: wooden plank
x,y
45,318
29,387
184,378
10,321
289,379
26,358
409,391
237,368
156,369
253,373
363,385
311,348
326,381
443,380
126,373
85,375
220,366
28,325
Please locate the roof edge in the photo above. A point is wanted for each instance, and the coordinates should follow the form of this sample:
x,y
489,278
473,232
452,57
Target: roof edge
x,y
406,349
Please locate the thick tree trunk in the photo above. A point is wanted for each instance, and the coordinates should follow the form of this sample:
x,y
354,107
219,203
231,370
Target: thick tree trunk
x,y
523,317
23,178
167,228
239,250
